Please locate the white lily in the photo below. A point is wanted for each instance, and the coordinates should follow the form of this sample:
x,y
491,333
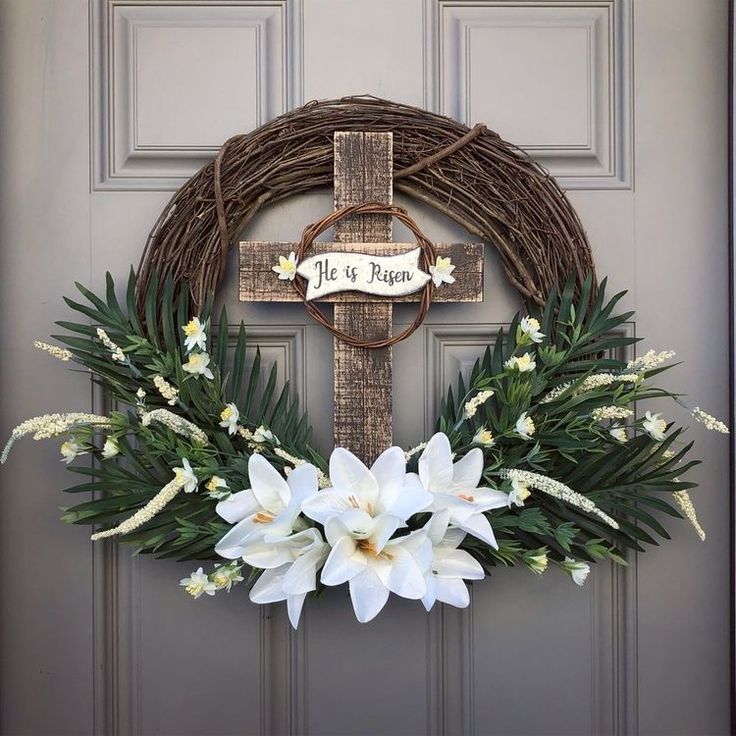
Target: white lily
x,y
198,583
197,365
524,426
291,580
450,566
196,337
230,417
522,363
185,475
266,512
372,566
578,571
441,271
110,448
454,486
528,330
72,449
386,490
286,268
654,426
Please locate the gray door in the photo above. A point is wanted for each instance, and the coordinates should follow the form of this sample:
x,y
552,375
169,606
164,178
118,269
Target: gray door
x,y
108,106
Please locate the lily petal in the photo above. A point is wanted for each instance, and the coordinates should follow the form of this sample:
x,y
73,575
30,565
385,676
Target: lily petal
x,y
302,482
268,588
231,546
479,526
368,595
236,507
456,563
349,475
467,471
343,563
269,487
294,605
323,505
435,463
452,591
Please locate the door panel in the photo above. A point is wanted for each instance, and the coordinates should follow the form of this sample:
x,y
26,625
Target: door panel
x,y
623,100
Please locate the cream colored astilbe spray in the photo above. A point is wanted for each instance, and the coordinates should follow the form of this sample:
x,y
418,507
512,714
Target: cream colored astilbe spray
x,y
591,383
54,351
176,424
554,488
153,507
52,425
688,509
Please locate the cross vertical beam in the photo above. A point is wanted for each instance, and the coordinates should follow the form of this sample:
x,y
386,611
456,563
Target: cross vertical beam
x,y
362,378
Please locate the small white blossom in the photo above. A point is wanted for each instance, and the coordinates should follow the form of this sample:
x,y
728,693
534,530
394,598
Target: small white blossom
x,y
71,449
483,437
286,268
654,426
186,477
523,363
524,426
519,492
528,331
140,394
198,583
217,487
578,571
262,435
225,576
619,434
441,271
230,417
196,337
536,561
110,449
197,365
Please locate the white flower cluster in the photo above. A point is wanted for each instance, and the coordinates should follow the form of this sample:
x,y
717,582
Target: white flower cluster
x,y
223,577
650,360
611,412
361,512
55,351
471,407
52,425
196,337
688,509
115,350
176,424
709,421
556,489
166,390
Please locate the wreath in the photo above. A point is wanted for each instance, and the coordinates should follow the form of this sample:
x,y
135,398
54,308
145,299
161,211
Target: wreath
x,y
538,457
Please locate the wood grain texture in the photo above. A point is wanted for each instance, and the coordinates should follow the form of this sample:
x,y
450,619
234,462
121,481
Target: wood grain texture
x,y
363,378
259,283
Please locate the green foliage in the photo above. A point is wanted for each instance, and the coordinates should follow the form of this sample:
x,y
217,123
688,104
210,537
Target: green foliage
x,y
188,527
631,481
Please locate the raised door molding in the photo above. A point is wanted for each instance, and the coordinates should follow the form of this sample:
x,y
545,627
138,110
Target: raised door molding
x,y
553,76
152,136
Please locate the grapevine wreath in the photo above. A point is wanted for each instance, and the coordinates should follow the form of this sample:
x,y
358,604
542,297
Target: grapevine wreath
x,y
538,456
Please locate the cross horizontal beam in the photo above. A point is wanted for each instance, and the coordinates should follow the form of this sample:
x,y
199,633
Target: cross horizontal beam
x,y
259,283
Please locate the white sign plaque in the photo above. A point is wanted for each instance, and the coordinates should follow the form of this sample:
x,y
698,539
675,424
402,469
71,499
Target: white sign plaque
x,y
329,273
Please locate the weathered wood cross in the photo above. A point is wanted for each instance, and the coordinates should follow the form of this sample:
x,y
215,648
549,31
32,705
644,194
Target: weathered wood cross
x,y
362,377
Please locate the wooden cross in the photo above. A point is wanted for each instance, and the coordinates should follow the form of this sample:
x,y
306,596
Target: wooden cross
x,y
362,377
